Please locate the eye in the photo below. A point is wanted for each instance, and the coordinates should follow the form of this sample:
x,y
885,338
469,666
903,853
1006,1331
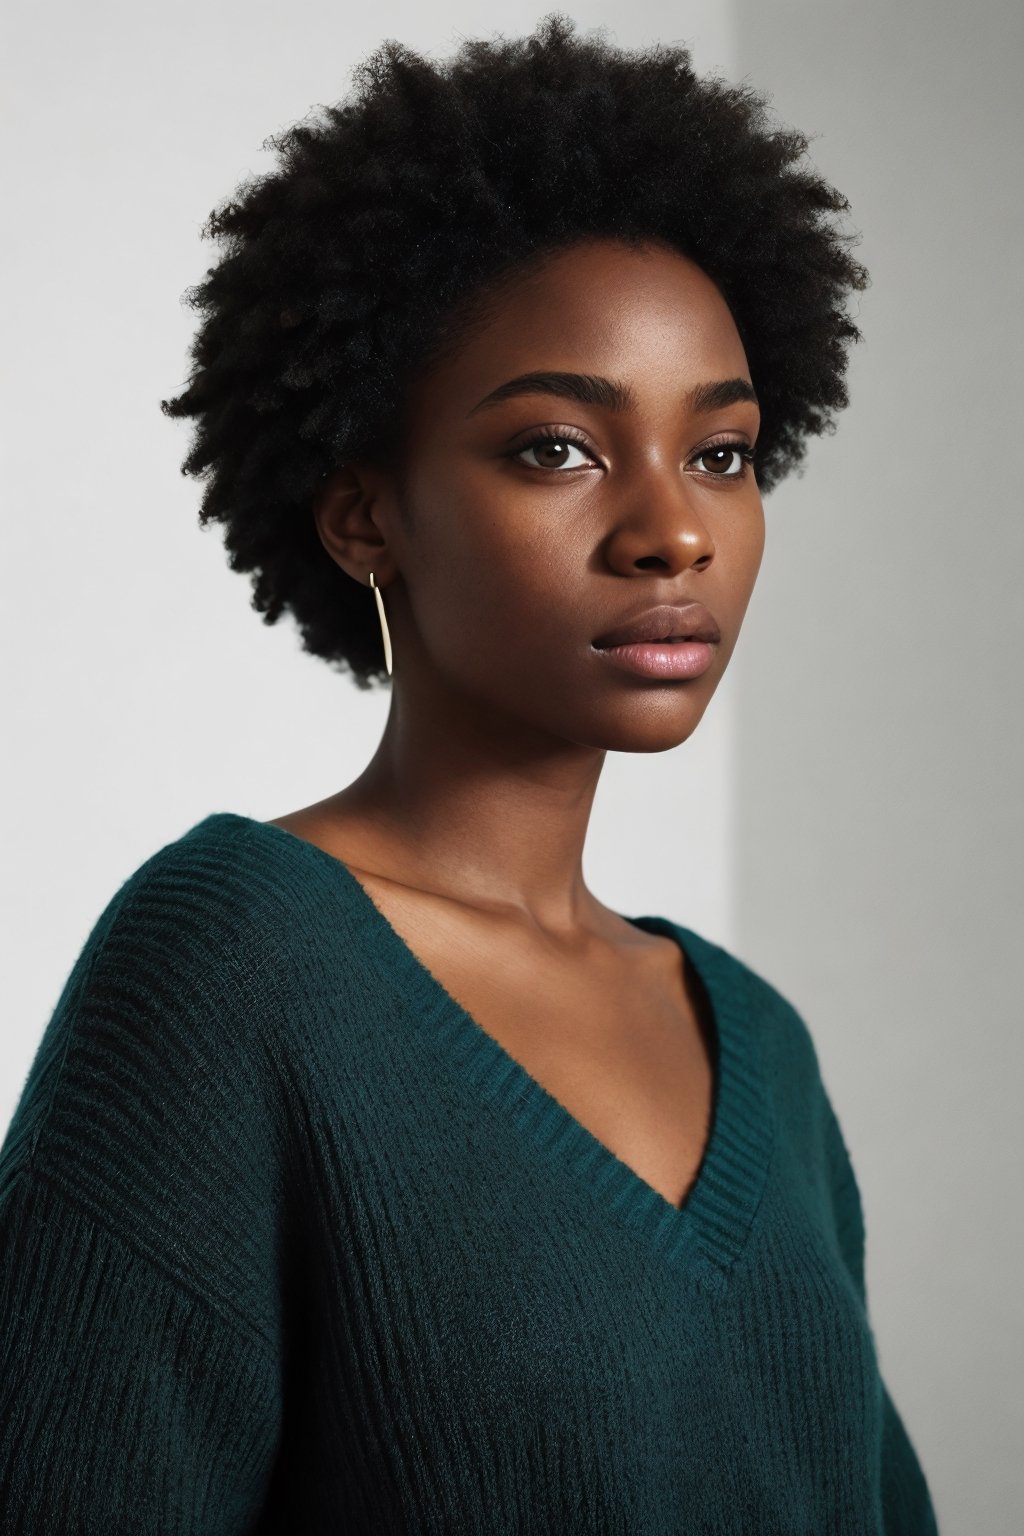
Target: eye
x,y
551,449
725,461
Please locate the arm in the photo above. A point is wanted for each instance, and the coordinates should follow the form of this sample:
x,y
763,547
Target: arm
x,y
139,1316
906,1502
125,1403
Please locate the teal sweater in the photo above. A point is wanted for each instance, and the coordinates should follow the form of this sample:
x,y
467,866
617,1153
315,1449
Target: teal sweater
x,y
289,1244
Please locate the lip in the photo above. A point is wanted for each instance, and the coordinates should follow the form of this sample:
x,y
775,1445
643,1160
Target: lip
x,y
681,658
691,621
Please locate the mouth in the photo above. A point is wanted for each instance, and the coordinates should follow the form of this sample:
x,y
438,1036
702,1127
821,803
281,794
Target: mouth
x,y
675,658
665,625
661,640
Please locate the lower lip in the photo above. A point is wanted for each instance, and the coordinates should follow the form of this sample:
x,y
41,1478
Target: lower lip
x,y
683,658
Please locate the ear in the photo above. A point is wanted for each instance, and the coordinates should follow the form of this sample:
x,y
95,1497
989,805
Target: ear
x,y
347,510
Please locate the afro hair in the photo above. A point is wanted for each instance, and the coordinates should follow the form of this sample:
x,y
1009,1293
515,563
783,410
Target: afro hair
x,y
372,248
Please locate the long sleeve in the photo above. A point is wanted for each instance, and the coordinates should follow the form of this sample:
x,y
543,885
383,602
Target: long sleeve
x,y
125,1403
139,1362
906,1500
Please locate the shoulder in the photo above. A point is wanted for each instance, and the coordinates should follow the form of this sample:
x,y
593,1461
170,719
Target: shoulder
x,y
773,1027
153,1103
176,1012
219,883
779,1023
147,991
156,989
227,895
792,1066
180,939
813,1148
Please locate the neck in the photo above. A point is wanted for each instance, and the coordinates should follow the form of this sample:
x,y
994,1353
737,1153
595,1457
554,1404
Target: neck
x,y
472,804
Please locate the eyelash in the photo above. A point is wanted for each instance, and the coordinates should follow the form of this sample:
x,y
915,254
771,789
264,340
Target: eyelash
x,y
571,435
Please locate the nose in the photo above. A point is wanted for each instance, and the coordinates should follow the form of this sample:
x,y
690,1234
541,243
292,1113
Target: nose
x,y
661,528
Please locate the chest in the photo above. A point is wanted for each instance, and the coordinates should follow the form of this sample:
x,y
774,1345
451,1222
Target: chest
x,y
622,1041
638,1077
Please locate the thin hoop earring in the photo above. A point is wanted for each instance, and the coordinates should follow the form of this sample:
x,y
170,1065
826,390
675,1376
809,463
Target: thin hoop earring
x,y
383,623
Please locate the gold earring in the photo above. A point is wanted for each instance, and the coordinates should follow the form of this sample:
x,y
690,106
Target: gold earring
x,y
383,623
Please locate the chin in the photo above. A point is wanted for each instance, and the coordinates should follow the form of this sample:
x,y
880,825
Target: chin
x,y
650,724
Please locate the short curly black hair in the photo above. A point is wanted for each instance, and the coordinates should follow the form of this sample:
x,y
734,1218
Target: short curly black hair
x,y
373,249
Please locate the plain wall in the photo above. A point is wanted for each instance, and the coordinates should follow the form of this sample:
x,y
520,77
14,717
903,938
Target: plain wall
x,y
880,750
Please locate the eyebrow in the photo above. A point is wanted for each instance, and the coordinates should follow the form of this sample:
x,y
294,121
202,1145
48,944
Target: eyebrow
x,y
591,389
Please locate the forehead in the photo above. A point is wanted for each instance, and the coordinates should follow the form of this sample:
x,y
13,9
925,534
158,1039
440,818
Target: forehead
x,y
647,315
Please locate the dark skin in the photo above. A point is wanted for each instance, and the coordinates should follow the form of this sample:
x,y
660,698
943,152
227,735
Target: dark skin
x,y
499,564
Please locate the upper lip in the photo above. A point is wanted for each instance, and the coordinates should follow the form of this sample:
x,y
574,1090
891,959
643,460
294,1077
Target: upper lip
x,y
692,621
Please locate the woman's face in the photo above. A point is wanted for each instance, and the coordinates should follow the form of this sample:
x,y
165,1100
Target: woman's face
x,y
536,522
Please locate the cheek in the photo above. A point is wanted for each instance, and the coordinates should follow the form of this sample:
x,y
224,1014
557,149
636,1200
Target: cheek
x,y
741,544
496,575
513,595
747,567
757,543
487,586
498,554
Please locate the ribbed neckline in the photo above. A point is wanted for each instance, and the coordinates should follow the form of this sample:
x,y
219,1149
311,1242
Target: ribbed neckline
x,y
706,1235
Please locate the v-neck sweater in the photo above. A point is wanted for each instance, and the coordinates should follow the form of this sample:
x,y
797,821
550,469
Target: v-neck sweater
x,y
289,1243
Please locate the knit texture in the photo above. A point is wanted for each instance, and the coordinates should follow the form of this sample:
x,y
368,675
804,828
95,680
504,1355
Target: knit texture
x,y
289,1243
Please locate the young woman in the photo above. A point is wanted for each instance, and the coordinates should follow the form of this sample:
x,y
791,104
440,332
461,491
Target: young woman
x,y
371,1174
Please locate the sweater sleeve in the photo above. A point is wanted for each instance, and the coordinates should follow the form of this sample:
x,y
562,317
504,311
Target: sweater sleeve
x,y
140,1376
906,1499
126,1404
